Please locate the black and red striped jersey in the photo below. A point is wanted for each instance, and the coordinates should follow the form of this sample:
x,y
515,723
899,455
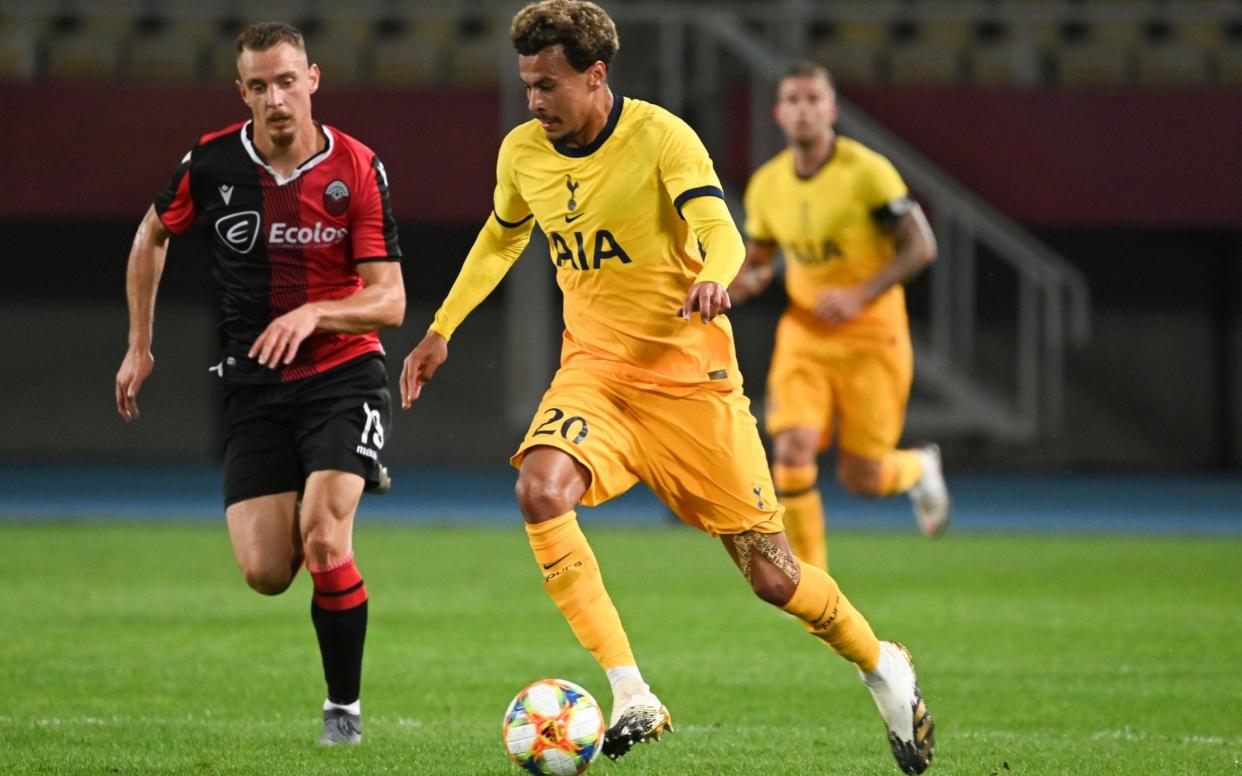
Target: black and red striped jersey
x,y
278,242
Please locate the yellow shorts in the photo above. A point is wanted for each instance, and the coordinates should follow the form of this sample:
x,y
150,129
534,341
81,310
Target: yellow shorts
x,y
698,449
863,382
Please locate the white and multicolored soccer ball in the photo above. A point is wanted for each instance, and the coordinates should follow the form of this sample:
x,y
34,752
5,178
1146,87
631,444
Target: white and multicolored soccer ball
x,y
553,728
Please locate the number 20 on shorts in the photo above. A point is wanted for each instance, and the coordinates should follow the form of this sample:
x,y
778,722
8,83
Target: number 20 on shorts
x,y
548,427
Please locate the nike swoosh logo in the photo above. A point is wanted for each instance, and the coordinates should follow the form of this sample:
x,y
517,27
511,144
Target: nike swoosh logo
x,y
570,219
548,566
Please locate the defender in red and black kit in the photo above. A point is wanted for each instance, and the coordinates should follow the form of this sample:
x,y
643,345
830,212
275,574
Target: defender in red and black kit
x,y
304,252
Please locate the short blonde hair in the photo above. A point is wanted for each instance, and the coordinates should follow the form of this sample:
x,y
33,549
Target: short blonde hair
x,y
262,36
807,68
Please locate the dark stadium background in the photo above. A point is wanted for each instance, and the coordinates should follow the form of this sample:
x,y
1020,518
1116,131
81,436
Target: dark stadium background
x,y
1078,359
1130,172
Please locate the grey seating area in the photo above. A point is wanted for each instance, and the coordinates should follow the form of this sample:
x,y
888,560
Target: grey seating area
x,y
991,43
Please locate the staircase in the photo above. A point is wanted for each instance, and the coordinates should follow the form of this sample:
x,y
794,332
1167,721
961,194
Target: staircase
x,y
1000,381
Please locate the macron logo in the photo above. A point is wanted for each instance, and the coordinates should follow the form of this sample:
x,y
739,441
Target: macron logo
x,y
293,235
226,193
239,231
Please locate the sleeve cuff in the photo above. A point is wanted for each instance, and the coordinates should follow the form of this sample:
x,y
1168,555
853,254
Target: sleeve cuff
x,y
512,224
700,191
440,329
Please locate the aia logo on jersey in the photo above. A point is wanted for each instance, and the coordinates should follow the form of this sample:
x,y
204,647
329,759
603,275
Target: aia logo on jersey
x,y
336,198
811,255
590,254
239,230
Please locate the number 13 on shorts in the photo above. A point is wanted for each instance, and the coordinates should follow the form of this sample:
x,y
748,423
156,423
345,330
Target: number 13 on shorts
x,y
374,428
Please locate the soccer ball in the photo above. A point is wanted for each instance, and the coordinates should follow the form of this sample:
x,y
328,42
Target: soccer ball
x,y
553,728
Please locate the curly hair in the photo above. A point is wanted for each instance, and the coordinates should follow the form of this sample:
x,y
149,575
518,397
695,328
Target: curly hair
x,y
262,36
583,28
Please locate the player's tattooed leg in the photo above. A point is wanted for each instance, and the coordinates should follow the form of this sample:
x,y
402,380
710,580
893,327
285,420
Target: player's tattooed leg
x,y
749,543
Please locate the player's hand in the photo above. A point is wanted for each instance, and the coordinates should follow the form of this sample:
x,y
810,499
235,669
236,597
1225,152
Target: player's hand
x,y
841,304
421,365
708,299
278,345
133,373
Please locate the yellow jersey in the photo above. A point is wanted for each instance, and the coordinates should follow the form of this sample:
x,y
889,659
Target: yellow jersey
x,y
829,227
624,256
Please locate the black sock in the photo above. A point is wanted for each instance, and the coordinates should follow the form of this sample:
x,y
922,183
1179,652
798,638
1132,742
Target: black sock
x,y
341,637
339,611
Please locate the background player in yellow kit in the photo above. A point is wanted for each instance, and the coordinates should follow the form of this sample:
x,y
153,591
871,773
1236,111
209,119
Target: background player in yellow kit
x,y
648,387
851,235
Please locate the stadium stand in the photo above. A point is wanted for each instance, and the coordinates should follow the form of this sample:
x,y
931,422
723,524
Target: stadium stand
x,y
17,56
165,52
408,54
1068,43
1172,62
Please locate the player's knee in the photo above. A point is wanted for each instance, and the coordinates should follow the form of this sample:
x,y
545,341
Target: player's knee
x,y
796,458
324,543
796,448
861,478
268,581
542,498
772,586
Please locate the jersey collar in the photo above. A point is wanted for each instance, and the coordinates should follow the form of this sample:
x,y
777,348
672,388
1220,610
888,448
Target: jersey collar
x,y
832,152
604,134
248,128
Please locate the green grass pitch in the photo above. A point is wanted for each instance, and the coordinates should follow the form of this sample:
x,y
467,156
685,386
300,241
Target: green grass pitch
x,y
137,649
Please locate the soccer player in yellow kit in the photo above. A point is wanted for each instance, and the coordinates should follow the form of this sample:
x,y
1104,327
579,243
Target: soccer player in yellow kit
x,y
851,234
648,387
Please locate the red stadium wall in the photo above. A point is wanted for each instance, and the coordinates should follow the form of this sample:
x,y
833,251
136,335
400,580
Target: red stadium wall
x,y
104,151
1051,159
1082,158
1117,158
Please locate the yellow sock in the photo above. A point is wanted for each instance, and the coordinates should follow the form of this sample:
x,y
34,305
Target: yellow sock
x,y
804,511
902,468
572,578
830,617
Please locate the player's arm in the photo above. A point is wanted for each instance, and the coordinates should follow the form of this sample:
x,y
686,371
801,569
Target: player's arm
x,y
915,248
723,251
686,170
497,247
758,268
756,272
379,305
142,280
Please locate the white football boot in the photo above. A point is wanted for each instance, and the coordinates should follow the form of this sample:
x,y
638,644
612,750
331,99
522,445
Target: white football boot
x,y
636,718
930,496
895,689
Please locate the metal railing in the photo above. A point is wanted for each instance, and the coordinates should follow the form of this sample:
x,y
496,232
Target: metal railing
x,y
687,57
1051,304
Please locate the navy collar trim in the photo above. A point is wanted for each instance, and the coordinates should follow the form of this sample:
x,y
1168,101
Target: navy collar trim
x,y
613,116
832,152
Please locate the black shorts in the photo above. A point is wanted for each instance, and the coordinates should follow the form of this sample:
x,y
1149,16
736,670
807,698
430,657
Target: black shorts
x,y
276,435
